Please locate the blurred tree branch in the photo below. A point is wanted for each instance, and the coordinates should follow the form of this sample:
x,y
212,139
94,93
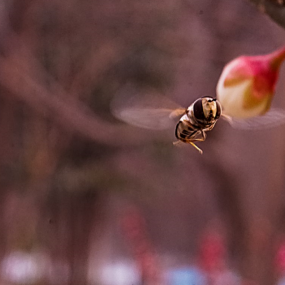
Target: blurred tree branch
x,y
57,105
275,9
56,91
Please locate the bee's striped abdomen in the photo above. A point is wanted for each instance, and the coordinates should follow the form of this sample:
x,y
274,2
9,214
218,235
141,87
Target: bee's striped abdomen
x,y
184,131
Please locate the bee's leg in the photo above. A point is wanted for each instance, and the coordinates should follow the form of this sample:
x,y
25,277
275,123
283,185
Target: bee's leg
x,y
200,150
200,139
203,134
178,143
192,140
227,118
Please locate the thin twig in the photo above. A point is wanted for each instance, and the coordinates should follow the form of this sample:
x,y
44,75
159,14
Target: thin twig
x,y
274,9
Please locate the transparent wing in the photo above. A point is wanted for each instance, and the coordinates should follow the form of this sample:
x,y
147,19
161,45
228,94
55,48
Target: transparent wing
x,y
152,111
271,119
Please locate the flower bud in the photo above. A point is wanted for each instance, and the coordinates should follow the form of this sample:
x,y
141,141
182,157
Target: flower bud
x,y
247,84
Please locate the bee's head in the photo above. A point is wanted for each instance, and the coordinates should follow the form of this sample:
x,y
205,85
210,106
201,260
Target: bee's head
x,y
206,110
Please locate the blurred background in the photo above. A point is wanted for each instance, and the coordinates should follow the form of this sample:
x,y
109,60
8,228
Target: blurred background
x,y
87,199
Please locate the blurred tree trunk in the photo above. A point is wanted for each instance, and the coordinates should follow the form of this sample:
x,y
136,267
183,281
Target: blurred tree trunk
x,y
10,170
69,219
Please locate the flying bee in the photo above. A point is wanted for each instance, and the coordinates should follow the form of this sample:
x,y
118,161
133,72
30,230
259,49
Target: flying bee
x,y
157,113
199,118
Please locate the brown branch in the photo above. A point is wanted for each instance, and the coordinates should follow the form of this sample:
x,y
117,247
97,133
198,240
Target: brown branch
x,y
26,80
96,64
56,104
274,9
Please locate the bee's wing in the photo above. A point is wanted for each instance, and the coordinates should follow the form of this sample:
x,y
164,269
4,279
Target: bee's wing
x,y
153,111
271,119
148,118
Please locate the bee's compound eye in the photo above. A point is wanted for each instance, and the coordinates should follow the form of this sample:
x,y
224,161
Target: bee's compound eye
x,y
198,110
219,110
